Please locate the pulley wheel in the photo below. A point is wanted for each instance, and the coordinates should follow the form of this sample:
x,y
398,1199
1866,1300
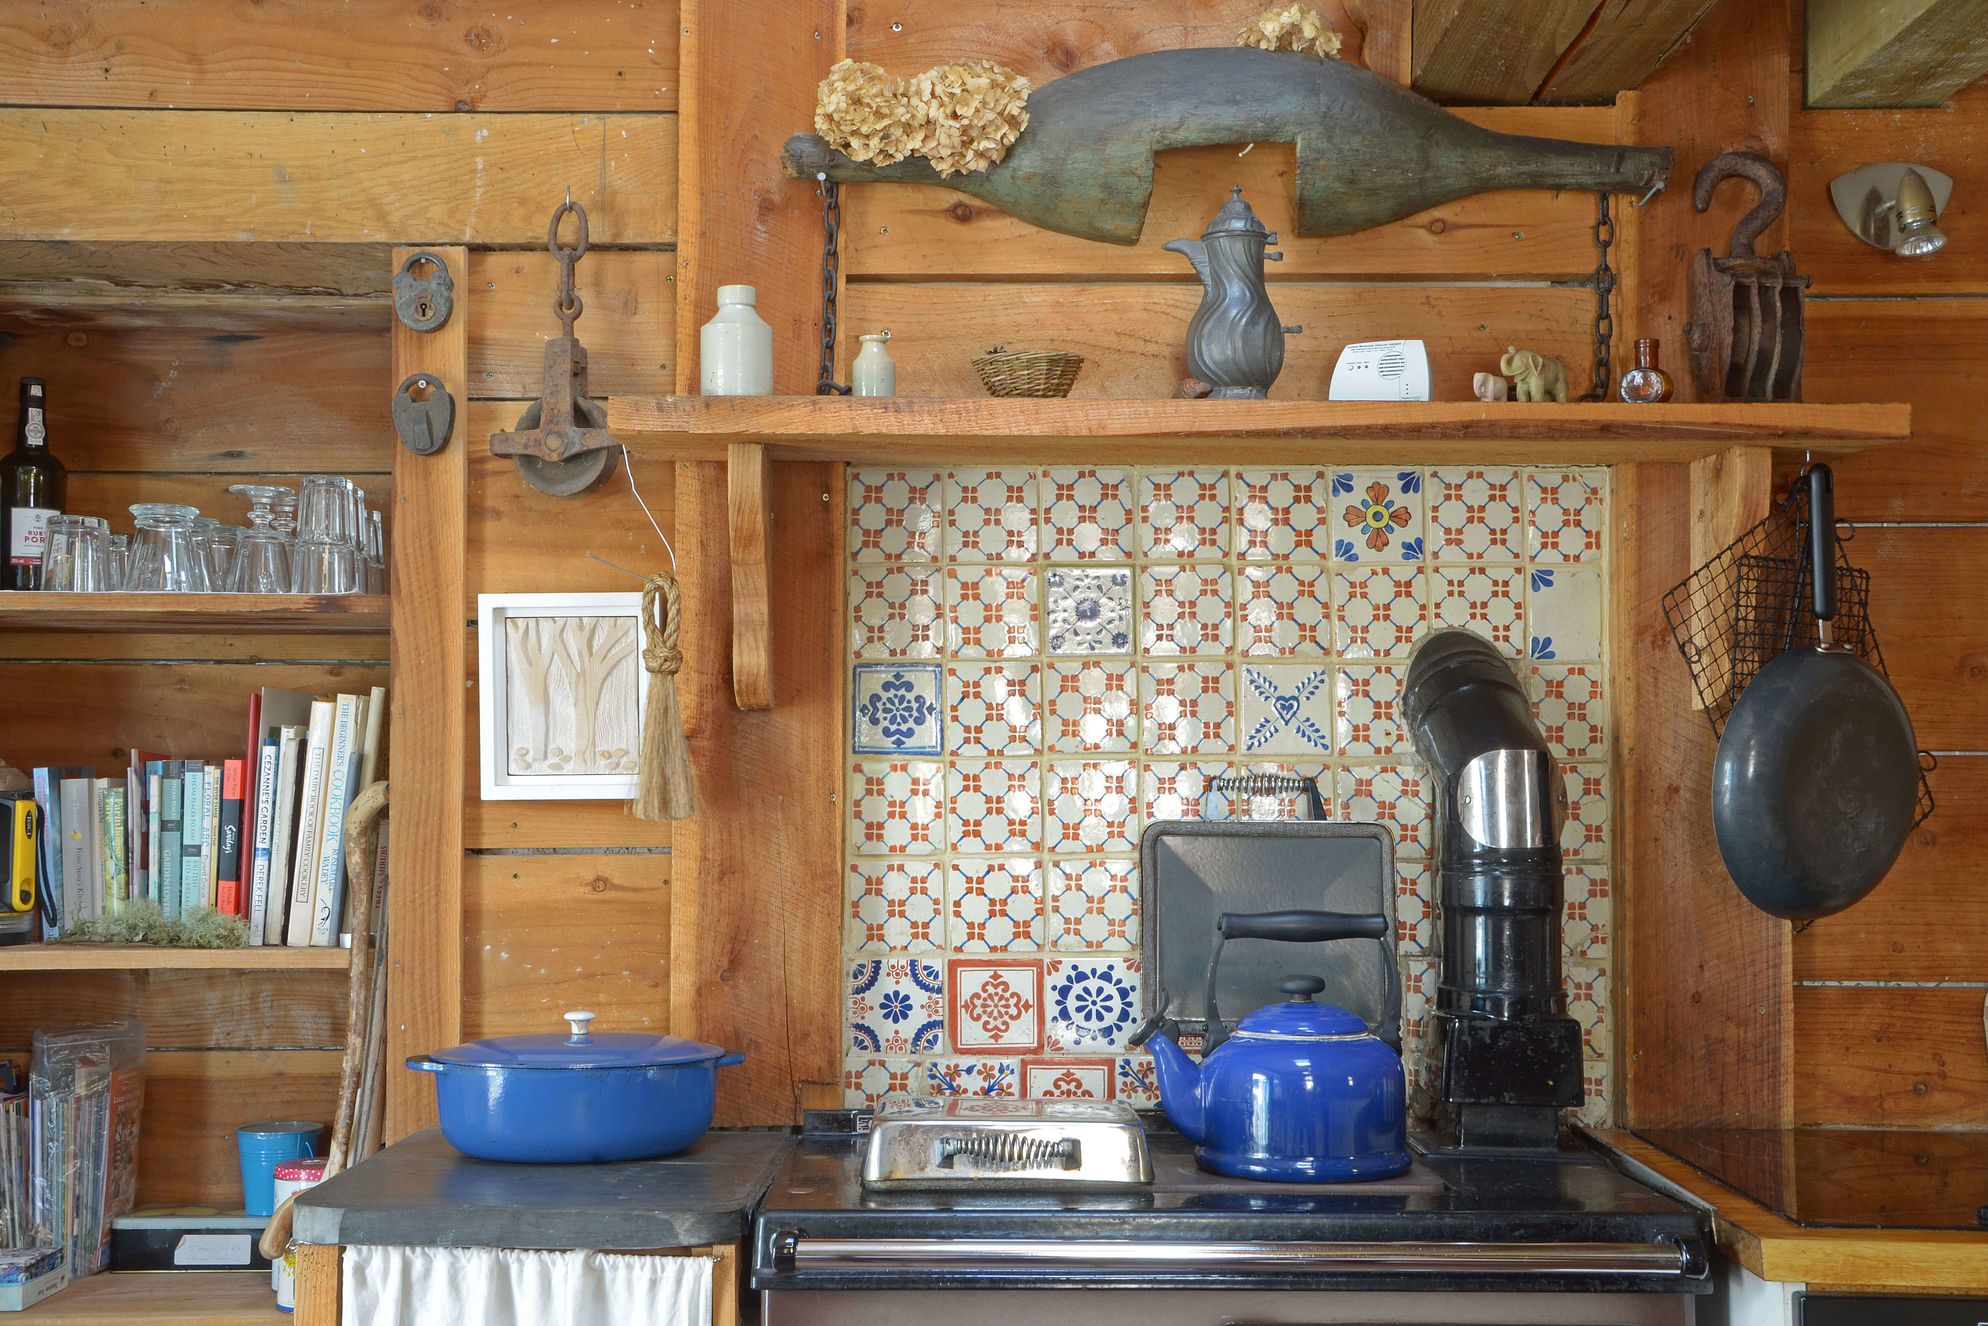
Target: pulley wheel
x,y
575,475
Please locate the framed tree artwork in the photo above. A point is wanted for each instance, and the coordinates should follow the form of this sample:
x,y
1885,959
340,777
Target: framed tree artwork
x,y
560,703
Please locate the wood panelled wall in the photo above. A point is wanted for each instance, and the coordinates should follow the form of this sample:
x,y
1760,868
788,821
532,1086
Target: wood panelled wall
x,y
194,251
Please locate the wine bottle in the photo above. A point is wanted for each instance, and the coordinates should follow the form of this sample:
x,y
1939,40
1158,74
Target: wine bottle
x,y
32,488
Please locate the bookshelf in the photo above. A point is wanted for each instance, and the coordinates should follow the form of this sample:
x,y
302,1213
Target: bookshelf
x,y
181,1298
195,613
148,957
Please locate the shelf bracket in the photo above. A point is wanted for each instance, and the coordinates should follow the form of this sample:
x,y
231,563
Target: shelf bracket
x,y
1731,492
748,507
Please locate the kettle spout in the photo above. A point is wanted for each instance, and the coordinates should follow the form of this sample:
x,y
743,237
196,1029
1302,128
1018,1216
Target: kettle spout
x,y
1195,251
1180,1085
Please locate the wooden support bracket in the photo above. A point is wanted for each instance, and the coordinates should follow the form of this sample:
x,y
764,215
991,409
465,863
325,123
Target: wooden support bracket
x,y
751,540
1730,494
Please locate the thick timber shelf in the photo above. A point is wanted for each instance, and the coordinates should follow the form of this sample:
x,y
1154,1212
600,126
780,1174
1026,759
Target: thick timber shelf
x,y
150,957
45,610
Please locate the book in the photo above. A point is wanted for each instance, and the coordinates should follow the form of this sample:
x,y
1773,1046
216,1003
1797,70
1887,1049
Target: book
x,y
228,851
138,860
210,841
272,709
310,826
172,787
282,830
251,772
78,833
370,767
259,817
111,820
99,869
47,792
153,775
341,771
192,828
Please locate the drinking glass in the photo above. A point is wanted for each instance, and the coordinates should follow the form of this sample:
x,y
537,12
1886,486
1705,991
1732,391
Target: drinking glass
x,y
163,556
283,508
262,553
326,557
120,561
217,543
320,566
375,554
76,556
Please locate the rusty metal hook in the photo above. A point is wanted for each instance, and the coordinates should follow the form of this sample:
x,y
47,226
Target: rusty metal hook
x,y
559,214
1766,177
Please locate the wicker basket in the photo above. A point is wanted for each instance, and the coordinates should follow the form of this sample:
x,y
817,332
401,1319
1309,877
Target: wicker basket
x,y
1038,373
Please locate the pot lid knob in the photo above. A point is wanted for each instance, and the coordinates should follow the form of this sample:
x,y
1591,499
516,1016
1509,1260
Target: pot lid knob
x,y
1301,988
579,1022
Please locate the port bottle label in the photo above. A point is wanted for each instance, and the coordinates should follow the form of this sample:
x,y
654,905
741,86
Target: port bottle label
x,y
28,531
35,432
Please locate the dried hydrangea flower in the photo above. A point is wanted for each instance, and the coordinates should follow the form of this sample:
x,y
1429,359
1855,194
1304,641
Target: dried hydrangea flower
x,y
971,111
862,112
1292,28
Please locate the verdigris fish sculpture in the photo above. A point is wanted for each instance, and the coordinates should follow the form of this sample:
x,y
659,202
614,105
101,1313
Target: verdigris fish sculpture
x,y
1369,151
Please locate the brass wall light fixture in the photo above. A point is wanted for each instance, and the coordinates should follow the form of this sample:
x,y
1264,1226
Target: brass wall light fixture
x,y
1893,205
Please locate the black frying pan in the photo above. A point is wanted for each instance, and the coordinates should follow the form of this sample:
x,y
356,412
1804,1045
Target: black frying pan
x,y
1817,775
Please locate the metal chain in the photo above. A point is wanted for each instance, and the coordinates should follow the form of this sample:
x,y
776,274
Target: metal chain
x,y
567,304
831,225
1604,284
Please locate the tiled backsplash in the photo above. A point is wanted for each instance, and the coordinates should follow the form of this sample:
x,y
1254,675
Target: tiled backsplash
x,y
1045,661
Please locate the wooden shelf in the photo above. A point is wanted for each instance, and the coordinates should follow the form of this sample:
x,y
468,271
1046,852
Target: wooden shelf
x,y
147,957
249,613
181,1298
1093,432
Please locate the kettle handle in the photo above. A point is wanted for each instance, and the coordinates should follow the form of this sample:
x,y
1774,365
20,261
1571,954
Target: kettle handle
x,y
1293,927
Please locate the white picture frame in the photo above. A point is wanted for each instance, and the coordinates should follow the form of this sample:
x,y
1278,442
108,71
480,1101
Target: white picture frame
x,y
519,757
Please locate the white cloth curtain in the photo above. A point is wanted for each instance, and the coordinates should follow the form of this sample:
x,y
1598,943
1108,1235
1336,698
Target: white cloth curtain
x,y
393,1286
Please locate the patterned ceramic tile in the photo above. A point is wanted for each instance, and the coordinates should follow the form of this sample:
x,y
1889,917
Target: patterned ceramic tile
x,y
995,1078
1088,611
1488,601
994,708
1135,1081
1180,791
1598,1083
893,807
992,807
1093,706
1585,833
894,611
1414,907
995,906
1395,795
895,708
996,1005
990,515
1564,616
895,907
990,611
1184,514
1285,610
1281,805
1474,515
1283,513
1378,611
1093,1003
1087,515
1067,1079
1093,904
894,515
1377,516
1186,610
1187,708
1088,806
1286,709
866,1082
897,1006
1364,721
1567,519
1418,997
1585,921
1568,701
1587,1004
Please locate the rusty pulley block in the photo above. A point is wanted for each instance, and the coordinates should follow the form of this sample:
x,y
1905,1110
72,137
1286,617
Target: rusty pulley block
x,y
561,443
1746,331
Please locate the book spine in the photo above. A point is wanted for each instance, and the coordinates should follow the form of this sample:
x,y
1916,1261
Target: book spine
x,y
117,877
229,885
310,825
152,780
210,842
76,836
282,831
172,788
263,812
49,882
192,827
328,899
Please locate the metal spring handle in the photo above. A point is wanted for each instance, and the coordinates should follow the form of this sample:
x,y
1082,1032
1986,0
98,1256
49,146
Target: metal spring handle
x,y
1273,785
1009,1150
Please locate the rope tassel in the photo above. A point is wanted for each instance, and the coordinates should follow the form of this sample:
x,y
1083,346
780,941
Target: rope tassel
x,y
665,791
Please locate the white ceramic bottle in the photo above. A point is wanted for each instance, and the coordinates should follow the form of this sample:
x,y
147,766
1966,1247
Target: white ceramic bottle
x,y
874,373
735,348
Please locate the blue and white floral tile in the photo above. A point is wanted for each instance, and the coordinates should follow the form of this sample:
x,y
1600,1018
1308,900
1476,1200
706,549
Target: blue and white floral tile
x,y
993,1079
991,515
1067,1079
895,807
1586,913
1135,1081
897,1006
894,611
1378,611
990,611
1092,706
1088,610
1396,795
1283,805
1184,515
1564,614
1365,720
1567,698
994,708
1585,834
868,1081
1474,515
894,516
995,906
1181,790
997,1005
896,906
1283,514
1092,1004
1566,515
992,807
1090,806
1087,515
1093,904
897,710
1587,1004
1285,610
1414,907
1287,709
1187,708
1377,516
1186,609
1488,601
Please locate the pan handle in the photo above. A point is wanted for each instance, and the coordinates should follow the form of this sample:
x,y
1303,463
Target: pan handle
x,y
1822,543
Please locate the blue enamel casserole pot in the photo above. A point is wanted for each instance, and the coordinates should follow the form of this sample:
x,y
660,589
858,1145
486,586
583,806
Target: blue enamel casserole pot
x,y
577,1097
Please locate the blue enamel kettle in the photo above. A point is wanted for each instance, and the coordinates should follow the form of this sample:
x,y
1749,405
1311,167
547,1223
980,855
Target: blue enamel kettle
x,y
1301,1092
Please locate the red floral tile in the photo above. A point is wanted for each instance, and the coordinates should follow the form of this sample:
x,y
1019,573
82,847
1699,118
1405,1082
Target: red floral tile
x,y
1187,609
1568,700
1585,834
1488,601
996,1005
1093,904
995,1079
1093,706
990,611
895,906
1087,515
1184,515
1567,520
995,906
894,515
1377,516
994,708
1187,708
894,807
1586,914
991,515
894,611
1067,1079
1283,514
992,806
1378,611
1474,515
1394,795
1364,719
867,1082
1181,791
1285,610
1089,806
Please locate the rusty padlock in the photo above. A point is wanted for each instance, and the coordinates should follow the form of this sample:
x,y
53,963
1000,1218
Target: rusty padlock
x,y
423,303
424,414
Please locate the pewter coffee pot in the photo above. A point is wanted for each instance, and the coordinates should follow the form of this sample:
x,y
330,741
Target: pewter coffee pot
x,y
1235,343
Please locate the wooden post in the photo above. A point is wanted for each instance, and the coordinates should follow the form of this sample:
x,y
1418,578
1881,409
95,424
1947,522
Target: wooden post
x,y
751,542
430,641
319,1266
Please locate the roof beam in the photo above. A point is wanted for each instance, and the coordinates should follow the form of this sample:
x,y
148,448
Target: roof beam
x,y
1621,47
1491,52
1885,53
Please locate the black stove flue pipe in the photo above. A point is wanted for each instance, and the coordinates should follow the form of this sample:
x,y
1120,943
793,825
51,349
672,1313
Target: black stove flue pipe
x,y
1506,1057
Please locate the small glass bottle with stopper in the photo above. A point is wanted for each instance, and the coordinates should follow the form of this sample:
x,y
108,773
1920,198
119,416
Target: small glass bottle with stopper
x,y
1645,384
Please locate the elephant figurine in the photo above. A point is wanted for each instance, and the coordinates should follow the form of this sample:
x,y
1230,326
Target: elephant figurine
x,y
1489,387
1535,378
